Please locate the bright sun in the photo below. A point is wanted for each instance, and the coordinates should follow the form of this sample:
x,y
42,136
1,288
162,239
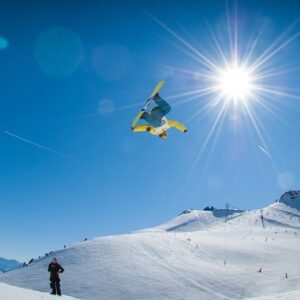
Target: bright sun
x,y
236,79
235,83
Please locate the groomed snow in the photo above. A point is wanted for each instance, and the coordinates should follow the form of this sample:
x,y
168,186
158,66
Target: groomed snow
x,y
295,295
8,292
198,255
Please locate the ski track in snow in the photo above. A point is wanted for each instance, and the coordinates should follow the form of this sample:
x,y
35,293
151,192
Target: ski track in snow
x,y
199,255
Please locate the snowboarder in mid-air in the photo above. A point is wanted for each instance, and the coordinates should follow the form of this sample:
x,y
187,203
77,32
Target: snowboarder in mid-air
x,y
157,123
54,269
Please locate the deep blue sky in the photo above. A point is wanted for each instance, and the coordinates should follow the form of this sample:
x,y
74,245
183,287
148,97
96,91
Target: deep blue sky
x,y
82,107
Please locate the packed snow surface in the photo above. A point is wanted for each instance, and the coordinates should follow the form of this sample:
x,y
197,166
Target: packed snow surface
x,y
8,292
207,255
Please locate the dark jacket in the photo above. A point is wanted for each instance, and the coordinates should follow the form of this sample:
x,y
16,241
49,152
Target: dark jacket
x,y
55,269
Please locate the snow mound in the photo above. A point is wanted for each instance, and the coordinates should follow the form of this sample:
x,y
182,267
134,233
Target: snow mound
x,y
8,292
291,198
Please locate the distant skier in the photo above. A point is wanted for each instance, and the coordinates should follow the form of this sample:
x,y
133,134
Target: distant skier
x,y
54,269
158,124
262,218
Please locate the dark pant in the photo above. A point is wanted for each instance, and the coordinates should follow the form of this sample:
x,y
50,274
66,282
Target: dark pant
x,y
55,285
162,107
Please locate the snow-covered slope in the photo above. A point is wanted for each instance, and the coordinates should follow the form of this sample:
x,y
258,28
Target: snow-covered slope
x,y
198,255
7,265
8,292
294,295
195,220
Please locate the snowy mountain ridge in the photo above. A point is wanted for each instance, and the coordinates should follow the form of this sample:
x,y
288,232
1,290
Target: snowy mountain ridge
x,y
194,220
203,255
7,265
291,198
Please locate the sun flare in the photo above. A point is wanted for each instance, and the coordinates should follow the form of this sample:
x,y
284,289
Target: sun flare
x,y
235,83
239,77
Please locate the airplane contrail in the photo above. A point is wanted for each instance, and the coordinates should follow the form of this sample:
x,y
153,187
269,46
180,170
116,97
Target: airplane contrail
x,y
264,151
38,145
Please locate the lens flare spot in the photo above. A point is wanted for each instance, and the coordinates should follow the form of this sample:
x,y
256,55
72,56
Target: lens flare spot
x,y
3,43
59,52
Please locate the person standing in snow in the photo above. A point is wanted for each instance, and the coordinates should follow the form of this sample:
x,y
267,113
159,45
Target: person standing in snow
x,y
54,269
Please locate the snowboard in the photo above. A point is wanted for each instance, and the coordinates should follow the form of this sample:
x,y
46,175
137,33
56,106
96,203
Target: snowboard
x,y
155,91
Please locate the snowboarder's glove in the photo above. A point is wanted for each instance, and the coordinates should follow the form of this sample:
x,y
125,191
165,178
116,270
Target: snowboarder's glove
x,y
148,128
185,130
